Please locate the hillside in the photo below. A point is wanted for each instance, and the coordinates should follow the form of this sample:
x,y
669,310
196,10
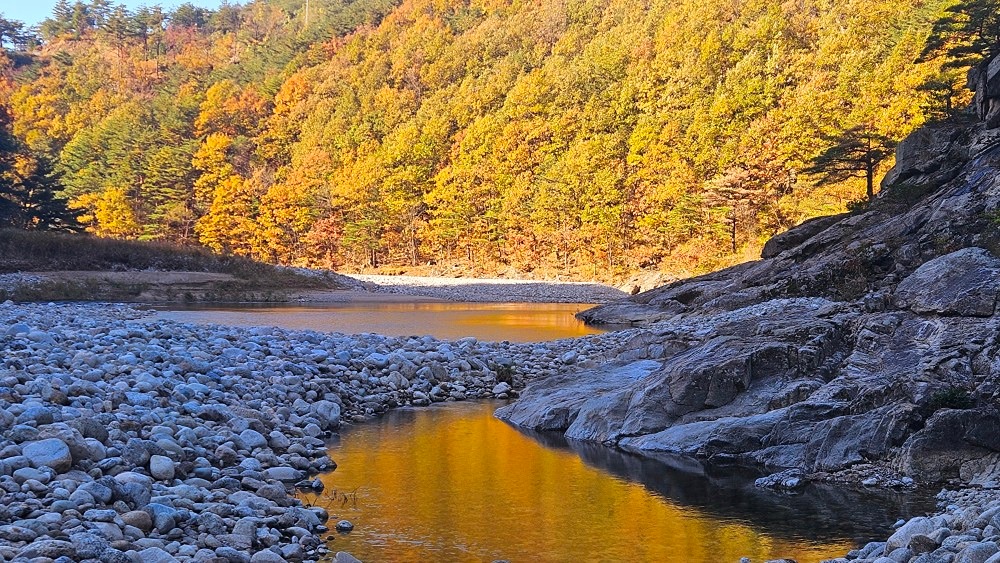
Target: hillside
x,y
588,138
862,347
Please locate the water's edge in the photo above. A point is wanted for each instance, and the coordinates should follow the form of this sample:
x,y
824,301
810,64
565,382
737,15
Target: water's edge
x,y
456,459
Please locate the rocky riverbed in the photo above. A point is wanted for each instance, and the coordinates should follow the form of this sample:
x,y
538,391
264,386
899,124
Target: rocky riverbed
x,y
123,439
967,530
861,348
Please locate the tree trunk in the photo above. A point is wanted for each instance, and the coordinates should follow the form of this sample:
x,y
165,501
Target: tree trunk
x,y
870,178
870,170
413,245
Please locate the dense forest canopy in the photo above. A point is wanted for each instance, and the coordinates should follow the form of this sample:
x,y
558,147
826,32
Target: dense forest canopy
x,y
589,137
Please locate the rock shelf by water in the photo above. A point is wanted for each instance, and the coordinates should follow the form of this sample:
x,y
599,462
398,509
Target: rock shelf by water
x,y
127,440
861,348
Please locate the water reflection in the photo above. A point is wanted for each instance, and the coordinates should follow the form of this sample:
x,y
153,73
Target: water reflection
x,y
454,484
517,322
820,513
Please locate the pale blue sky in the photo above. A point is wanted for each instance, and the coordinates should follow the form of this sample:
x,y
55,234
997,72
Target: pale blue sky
x,y
32,12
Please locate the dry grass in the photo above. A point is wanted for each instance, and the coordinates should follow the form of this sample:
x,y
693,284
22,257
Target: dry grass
x,y
30,251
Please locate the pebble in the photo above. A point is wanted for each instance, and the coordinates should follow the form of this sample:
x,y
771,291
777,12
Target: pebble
x,y
173,441
161,467
954,534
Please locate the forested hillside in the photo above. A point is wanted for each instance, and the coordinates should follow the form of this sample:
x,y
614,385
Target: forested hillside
x,y
589,137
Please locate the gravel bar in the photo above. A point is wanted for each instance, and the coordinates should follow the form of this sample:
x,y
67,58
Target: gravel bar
x,y
124,439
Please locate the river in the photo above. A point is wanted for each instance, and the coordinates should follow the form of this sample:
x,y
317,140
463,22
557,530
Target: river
x,y
452,483
516,322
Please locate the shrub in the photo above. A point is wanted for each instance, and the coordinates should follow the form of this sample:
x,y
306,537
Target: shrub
x,y
951,398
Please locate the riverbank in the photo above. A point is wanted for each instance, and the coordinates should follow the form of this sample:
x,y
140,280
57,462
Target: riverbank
x,y
487,290
168,441
123,439
966,530
297,285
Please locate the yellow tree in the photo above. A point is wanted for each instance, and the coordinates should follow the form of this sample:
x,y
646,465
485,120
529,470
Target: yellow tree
x,y
212,161
108,214
228,225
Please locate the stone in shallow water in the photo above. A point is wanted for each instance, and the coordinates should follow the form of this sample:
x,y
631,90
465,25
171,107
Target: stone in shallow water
x,y
344,526
288,474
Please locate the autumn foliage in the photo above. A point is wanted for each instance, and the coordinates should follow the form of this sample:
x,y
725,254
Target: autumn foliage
x,y
587,137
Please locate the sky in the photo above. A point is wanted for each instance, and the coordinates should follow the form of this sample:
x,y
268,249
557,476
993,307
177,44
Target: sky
x,y
32,12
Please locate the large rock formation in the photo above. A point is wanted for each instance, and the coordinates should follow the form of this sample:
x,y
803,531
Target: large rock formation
x,y
861,343
984,80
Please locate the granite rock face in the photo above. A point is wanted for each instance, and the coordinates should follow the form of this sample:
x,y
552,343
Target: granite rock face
x,y
964,283
984,80
861,344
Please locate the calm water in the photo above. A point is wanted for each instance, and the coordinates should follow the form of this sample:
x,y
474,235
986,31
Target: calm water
x,y
451,483
516,322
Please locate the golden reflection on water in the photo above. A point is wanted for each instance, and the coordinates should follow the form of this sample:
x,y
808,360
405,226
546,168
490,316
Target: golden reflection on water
x,y
517,322
455,484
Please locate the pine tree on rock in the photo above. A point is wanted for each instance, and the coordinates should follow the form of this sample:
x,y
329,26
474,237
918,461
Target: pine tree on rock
x,y
857,152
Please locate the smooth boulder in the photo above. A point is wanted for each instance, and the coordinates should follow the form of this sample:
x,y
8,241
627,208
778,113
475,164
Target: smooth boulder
x,y
51,452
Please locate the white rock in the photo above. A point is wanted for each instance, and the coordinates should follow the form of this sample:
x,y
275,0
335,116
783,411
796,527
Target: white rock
x,y
901,537
161,467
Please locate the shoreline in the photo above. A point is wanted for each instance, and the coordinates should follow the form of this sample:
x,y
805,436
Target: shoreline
x,y
157,287
264,399
491,290
152,440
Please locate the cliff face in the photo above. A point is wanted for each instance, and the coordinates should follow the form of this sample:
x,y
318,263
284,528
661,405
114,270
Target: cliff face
x,y
859,344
